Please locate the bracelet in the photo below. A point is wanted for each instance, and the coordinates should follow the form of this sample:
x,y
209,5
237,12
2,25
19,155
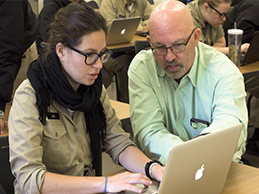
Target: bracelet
x,y
105,186
149,166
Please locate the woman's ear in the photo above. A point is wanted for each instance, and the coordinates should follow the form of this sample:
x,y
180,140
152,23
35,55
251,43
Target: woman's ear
x,y
60,50
205,6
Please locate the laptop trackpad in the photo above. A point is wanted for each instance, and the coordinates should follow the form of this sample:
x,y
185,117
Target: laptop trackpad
x,y
149,190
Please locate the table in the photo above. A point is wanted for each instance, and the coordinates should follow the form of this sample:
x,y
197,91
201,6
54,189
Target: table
x,y
126,46
242,179
121,109
250,70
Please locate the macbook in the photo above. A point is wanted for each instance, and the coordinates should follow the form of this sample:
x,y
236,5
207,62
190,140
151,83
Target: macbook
x,y
199,165
252,54
122,30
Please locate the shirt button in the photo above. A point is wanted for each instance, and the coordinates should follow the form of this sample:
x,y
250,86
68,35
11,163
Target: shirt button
x,y
56,134
80,160
75,130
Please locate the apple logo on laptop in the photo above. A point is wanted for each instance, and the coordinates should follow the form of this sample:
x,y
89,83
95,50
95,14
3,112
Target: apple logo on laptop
x,y
199,173
123,31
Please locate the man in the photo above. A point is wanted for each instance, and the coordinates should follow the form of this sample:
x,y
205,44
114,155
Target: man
x,y
18,30
180,81
119,62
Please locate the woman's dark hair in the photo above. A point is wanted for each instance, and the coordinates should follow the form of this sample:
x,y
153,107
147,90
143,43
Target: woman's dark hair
x,y
214,3
74,21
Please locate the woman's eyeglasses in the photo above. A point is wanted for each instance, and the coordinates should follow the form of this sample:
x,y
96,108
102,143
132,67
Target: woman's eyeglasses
x,y
91,58
221,15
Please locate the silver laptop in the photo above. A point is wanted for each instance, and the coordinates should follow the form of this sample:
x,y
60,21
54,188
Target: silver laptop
x,y
252,52
198,166
122,30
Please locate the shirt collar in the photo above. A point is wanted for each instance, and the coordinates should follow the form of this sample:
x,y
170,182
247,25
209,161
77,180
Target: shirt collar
x,y
193,74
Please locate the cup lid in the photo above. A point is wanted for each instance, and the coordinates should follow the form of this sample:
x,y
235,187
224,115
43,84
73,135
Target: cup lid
x,y
235,31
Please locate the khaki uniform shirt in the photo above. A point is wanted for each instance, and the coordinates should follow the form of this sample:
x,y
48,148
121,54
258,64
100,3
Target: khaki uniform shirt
x,y
209,34
115,9
61,146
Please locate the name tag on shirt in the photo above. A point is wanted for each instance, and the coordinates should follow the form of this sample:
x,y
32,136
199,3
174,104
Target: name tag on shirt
x,y
52,115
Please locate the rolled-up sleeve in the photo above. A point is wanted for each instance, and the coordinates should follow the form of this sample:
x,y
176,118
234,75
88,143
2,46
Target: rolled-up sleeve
x,y
25,134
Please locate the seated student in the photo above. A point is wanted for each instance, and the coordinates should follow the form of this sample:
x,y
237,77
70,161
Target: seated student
x,y
61,118
119,62
179,79
245,14
209,15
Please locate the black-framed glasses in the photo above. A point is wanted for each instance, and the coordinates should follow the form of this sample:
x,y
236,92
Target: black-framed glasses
x,y
91,58
221,15
177,48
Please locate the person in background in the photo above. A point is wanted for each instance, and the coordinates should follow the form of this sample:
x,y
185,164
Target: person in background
x,y
245,15
61,118
181,81
119,62
18,30
45,18
209,15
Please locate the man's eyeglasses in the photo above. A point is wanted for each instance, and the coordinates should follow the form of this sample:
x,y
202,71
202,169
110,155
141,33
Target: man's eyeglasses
x,y
91,58
221,15
177,48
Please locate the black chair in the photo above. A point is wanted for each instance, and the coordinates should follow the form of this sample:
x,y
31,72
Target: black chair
x,y
151,2
6,177
141,45
2,191
93,4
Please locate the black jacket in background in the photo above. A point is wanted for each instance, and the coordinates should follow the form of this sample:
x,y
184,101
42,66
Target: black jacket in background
x,y
246,16
18,30
45,18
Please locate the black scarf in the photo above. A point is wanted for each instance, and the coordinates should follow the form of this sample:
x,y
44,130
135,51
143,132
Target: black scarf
x,y
50,83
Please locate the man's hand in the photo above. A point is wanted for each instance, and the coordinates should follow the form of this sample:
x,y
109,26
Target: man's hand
x,y
3,126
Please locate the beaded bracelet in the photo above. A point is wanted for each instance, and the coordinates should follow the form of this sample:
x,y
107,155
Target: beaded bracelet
x,y
105,186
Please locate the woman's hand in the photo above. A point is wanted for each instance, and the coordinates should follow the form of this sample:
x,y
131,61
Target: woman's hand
x,y
244,48
126,181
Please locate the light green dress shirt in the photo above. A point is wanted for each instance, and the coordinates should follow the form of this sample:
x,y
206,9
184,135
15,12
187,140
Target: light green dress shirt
x,y
209,34
115,9
161,109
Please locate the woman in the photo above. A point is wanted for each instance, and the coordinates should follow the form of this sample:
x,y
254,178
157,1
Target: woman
x,y
61,118
209,15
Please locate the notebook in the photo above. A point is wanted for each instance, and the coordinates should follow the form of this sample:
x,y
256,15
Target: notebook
x,y
198,166
252,54
122,30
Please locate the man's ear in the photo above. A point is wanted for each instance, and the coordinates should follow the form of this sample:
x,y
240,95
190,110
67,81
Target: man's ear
x,y
197,34
148,39
60,50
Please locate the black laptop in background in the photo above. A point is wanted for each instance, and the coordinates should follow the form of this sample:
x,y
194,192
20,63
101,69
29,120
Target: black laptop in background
x,y
252,54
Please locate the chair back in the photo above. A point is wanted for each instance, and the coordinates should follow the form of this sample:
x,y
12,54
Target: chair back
x,y
93,4
6,177
141,45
